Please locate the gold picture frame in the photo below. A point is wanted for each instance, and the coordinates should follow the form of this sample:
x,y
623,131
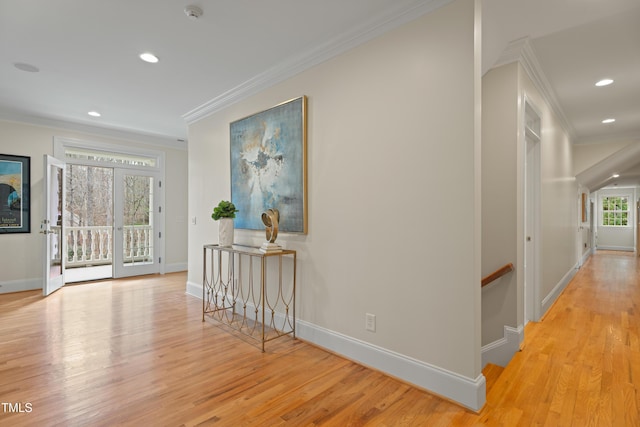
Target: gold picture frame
x,y
269,166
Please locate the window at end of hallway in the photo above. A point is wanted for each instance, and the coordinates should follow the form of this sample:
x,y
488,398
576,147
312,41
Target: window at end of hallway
x,y
615,211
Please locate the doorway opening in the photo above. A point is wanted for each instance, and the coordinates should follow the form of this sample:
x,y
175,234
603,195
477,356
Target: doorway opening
x,y
112,224
88,219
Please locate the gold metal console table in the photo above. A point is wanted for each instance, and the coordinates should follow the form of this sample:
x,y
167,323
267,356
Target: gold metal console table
x,y
238,290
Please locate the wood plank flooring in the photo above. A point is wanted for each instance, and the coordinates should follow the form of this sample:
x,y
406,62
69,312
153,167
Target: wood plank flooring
x,y
134,352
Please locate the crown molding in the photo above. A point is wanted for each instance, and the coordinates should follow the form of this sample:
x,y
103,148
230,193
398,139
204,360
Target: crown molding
x,y
127,135
521,51
324,52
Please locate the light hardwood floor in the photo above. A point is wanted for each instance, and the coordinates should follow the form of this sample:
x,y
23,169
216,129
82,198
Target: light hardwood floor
x,y
135,352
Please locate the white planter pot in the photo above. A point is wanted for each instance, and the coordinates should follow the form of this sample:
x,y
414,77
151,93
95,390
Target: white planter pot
x,y
225,231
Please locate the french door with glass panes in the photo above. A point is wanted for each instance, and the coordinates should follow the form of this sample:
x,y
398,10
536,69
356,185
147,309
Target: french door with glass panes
x,y
52,226
126,183
136,223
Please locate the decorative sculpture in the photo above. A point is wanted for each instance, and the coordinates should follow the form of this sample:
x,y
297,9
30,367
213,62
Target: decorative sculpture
x,y
270,219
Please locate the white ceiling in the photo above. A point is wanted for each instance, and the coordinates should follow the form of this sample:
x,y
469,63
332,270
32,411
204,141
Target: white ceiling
x,y
87,55
576,43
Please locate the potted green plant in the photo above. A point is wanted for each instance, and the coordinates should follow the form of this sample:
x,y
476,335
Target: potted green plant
x,y
225,212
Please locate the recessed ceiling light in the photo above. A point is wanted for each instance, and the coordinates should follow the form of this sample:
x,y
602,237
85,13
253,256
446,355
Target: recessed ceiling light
x,y
615,175
149,57
605,121
94,114
604,82
26,67
193,12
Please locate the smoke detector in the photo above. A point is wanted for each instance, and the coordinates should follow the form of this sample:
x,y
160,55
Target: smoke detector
x,y
193,12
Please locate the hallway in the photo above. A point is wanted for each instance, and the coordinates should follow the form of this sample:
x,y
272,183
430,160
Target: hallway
x,y
580,365
135,351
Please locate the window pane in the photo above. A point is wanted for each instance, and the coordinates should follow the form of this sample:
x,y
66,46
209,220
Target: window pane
x,y
115,158
615,211
138,216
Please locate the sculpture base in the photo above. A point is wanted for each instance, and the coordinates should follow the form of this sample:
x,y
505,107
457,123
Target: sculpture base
x,y
268,248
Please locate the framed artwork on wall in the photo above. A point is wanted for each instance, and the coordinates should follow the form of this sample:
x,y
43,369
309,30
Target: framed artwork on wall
x,y
268,166
15,176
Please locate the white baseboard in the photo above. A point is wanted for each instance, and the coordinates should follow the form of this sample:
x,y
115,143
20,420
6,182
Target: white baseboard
x,y
616,248
501,351
586,256
548,301
194,289
468,392
20,285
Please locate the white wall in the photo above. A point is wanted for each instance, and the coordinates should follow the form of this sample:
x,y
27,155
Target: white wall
x,y
22,253
504,91
499,198
558,199
393,218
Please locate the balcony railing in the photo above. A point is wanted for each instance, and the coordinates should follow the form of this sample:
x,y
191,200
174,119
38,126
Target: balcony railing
x,y
89,246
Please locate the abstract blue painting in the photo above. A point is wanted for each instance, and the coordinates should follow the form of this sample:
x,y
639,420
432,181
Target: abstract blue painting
x,y
268,166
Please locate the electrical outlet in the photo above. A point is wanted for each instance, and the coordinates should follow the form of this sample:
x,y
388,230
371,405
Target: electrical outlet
x,y
370,322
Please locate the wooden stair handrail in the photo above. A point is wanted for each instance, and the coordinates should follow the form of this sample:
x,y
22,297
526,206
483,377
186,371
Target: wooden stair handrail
x,y
507,268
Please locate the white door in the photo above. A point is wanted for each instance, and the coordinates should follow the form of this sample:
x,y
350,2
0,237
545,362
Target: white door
x,y
532,306
136,218
52,224
592,224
